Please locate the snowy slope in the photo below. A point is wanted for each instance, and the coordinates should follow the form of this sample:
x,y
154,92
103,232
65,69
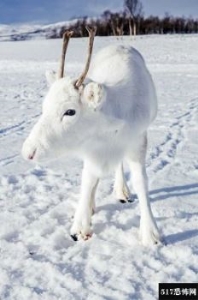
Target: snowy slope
x,y
38,258
21,32
18,32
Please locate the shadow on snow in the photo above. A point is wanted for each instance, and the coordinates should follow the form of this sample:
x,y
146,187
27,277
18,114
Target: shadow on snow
x,y
175,191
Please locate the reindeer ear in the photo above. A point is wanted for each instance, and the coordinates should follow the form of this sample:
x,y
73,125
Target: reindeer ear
x,y
51,77
94,95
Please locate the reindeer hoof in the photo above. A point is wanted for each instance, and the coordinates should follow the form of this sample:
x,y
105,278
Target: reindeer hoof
x,y
123,201
78,237
129,200
74,237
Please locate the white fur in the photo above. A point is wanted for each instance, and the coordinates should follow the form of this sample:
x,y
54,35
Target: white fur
x,y
113,112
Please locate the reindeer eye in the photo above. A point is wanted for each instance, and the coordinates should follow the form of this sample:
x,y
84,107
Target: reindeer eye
x,y
70,112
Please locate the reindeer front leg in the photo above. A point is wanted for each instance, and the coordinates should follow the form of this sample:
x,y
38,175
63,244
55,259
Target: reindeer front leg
x,y
81,228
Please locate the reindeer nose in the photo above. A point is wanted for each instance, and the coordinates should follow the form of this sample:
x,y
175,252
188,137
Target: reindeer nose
x,y
31,156
28,150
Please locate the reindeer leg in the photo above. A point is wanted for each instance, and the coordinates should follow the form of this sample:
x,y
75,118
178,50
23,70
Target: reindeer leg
x,y
149,233
121,189
81,228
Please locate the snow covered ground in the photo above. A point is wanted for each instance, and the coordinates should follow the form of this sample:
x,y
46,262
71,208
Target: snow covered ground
x,y
38,258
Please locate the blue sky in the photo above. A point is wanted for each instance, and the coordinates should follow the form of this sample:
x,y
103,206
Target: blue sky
x,y
50,11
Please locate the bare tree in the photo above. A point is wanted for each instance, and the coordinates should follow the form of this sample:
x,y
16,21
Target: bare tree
x,y
135,10
117,23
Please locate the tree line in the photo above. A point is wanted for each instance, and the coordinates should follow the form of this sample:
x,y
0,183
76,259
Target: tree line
x,y
131,21
119,24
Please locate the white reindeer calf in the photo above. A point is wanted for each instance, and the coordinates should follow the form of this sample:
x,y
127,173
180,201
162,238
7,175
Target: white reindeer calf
x,y
102,122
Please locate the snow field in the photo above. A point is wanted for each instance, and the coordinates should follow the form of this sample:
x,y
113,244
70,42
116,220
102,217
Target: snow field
x,y
38,258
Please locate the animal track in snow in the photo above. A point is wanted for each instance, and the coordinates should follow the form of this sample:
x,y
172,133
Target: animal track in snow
x,y
164,154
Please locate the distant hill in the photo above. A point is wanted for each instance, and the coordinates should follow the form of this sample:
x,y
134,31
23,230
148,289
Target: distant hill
x,y
32,31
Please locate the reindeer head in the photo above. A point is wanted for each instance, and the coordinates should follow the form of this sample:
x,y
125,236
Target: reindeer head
x,y
67,110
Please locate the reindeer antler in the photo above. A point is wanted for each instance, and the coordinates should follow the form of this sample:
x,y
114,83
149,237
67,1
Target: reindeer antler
x,y
66,37
92,32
